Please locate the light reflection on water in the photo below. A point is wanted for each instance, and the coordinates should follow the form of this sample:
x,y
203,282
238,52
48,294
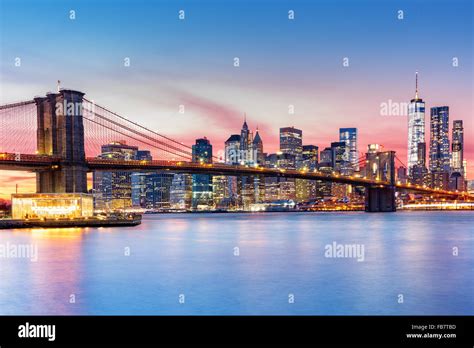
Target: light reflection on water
x,y
407,253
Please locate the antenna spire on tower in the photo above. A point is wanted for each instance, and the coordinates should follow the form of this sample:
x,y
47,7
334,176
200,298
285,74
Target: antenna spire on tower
x,y
416,85
59,84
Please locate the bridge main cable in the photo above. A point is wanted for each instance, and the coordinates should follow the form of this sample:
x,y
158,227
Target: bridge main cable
x,y
139,140
139,125
184,153
15,105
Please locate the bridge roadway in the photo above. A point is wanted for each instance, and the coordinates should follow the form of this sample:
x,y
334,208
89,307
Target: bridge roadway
x,y
11,161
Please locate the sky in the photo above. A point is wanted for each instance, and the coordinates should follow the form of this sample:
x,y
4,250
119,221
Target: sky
x,y
283,62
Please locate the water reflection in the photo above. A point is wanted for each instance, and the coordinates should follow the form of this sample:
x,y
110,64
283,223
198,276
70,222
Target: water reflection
x,y
279,255
44,285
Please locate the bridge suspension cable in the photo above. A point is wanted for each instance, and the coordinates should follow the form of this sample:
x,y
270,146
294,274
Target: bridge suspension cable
x,y
18,127
400,161
110,124
14,105
138,125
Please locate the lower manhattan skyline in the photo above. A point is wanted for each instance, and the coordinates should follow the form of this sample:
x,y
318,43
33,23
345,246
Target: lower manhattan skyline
x,y
320,87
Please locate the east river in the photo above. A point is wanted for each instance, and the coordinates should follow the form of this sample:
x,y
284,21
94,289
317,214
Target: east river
x,y
355,263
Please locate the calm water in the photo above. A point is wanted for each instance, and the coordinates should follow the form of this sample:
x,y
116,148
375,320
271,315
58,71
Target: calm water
x,y
409,253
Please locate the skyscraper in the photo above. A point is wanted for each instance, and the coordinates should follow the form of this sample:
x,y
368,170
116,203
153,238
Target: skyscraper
x,y
232,149
326,160
325,165
416,127
349,137
257,149
246,140
457,179
457,146
202,183
338,153
291,142
419,172
310,157
181,191
439,146
150,190
113,190
232,156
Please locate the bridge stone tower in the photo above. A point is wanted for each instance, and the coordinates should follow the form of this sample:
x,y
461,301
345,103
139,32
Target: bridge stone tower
x,y
61,133
380,166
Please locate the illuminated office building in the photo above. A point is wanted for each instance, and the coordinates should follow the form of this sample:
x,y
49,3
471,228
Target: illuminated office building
x,y
439,147
202,183
351,156
113,190
457,177
416,127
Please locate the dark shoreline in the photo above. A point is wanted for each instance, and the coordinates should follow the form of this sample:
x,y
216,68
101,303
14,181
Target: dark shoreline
x,y
10,223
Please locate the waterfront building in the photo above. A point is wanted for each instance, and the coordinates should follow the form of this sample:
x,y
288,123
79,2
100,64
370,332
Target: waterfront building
x,y
220,191
52,205
232,156
244,149
286,187
351,156
416,127
181,191
151,190
258,159
325,165
202,183
272,189
470,187
339,165
113,190
307,189
439,147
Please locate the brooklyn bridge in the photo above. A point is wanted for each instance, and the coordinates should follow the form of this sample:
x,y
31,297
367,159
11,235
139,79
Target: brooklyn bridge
x,y
60,135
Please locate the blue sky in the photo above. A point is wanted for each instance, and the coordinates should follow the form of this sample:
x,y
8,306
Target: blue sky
x,y
283,62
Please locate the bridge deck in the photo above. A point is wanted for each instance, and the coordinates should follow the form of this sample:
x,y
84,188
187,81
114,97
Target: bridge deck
x,y
11,161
